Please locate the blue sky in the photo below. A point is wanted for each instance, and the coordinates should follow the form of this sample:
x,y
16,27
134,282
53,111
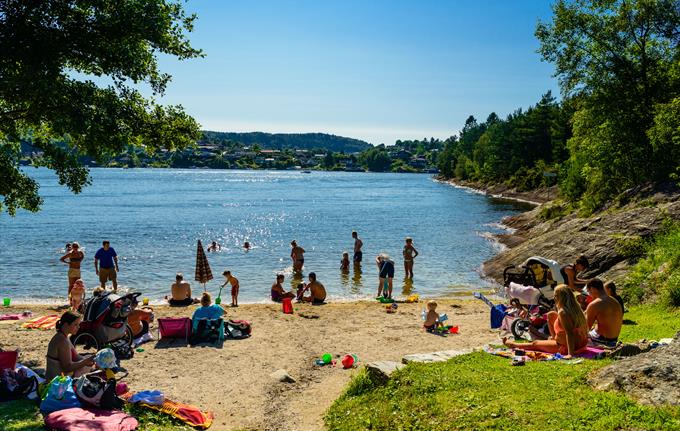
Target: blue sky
x,y
373,70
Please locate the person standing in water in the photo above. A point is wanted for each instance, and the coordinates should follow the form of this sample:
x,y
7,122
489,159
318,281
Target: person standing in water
x,y
386,272
106,265
358,243
297,254
75,256
410,253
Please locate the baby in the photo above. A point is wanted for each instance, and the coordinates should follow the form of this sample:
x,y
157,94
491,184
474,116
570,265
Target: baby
x,y
432,317
344,263
77,295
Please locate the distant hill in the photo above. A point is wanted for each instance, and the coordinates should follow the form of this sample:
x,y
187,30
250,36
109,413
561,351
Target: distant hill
x,y
280,141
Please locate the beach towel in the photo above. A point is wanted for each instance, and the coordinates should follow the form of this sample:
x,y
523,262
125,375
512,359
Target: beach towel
x,y
587,352
16,316
43,323
188,414
79,419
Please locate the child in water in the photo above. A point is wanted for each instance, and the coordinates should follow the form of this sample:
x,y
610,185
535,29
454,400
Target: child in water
x,y
344,263
432,317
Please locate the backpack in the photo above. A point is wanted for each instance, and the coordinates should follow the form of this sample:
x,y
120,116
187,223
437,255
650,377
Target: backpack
x,y
237,329
16,384
122,349
208,331
93,390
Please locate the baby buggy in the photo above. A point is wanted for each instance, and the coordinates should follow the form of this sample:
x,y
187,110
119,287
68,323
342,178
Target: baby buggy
x,y
105,321
531,289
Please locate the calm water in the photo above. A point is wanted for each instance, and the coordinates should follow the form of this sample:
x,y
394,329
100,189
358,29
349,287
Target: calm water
x,y
154,217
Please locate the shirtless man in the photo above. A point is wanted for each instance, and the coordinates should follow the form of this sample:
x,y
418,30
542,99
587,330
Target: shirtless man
x,y
409,254
181,292
317,293
570,272
214,247
297,254
358,243
606,312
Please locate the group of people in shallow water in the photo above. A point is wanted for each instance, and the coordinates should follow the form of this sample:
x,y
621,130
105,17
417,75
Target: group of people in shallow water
x,y
585,310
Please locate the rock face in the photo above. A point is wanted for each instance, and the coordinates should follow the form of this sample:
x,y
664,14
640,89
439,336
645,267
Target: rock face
x,y
640,215
441,356
380,371
651,378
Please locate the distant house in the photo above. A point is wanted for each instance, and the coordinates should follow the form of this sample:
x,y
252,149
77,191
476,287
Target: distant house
x,y
418,163
401,154
269,152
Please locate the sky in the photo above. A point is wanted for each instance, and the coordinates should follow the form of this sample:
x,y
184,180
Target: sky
x,y
374,70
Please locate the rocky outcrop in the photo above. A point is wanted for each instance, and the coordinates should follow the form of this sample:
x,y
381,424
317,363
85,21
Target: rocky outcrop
x,y
605,238
651,378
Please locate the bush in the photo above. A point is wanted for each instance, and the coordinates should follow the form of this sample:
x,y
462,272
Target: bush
x,y
631,247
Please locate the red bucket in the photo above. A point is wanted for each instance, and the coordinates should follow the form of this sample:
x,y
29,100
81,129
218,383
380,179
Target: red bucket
x,y
8,359
287,305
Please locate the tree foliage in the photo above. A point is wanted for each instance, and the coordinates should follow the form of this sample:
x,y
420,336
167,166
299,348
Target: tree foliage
x,y
618,60
50,50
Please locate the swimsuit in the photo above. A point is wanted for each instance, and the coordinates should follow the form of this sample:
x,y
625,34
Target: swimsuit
x,y
180,302
387,269
316,301
357,256
599,339
580,342
276,296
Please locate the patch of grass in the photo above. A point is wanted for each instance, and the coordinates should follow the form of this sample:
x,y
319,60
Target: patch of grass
x,y
555,210
24,415
657,276
630,247
480,391
650,321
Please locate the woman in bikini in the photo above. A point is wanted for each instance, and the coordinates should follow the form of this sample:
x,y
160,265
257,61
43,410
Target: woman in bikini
x,y
568,328
61,354
409,253
74,256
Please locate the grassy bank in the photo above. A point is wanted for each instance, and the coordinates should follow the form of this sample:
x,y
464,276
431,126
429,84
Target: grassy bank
x,y
480,391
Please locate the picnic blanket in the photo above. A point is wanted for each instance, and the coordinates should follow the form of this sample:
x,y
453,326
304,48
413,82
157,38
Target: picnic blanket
x,y
588,352
186,413
42,323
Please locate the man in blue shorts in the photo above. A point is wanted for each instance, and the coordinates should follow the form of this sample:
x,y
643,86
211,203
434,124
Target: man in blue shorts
x,y
106,265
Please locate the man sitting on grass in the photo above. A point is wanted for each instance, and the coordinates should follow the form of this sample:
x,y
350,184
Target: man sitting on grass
x,y
606,312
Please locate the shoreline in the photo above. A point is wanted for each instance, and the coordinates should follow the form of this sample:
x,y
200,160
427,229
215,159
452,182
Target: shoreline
x,y
534,198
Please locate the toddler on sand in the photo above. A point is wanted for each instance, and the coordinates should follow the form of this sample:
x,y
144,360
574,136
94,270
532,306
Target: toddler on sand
x,y
432,317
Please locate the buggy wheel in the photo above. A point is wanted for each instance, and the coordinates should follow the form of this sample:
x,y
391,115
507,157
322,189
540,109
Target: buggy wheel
x,y
520,328
128,335
87,339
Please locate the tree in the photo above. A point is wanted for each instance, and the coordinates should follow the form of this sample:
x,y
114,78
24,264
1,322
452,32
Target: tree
x,y
49,52
616,59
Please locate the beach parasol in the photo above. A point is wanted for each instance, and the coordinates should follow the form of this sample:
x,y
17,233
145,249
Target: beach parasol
x,y
203,273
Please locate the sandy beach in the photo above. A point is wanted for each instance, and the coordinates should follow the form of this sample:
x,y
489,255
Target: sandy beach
x,y
234,381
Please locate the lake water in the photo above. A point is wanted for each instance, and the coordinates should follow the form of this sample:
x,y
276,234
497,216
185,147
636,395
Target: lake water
x,y
154,217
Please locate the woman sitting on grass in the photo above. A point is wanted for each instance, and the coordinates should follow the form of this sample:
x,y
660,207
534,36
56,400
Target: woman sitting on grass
x,y
568,329
62,357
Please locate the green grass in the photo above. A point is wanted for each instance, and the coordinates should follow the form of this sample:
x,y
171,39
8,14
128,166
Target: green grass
x,y
24,415
480,391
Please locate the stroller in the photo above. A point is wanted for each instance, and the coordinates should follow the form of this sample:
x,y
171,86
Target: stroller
x,y
532,290
105,321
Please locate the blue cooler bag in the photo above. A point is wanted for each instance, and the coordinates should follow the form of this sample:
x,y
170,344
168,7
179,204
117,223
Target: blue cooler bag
x,y
60,395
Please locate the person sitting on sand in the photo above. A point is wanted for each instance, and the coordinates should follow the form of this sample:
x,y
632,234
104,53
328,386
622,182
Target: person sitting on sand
x,y
317,292
278,292
432,317
386,272
234,287
207,310
606,312
610,288
568,327
77,295
214,246
181,292
139,320
570,273
344,263
62,357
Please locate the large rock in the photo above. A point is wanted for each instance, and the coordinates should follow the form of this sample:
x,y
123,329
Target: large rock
x,y
282,376
598,237
381,371
651,378
441,356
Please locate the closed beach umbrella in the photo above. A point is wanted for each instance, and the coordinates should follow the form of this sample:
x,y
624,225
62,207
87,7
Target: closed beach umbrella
x,y
203,273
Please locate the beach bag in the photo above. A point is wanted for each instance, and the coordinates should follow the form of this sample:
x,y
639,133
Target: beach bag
x,y
174,327
97,392
497,315
78,419
122,349
16,384
208,331
238,329
60,395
